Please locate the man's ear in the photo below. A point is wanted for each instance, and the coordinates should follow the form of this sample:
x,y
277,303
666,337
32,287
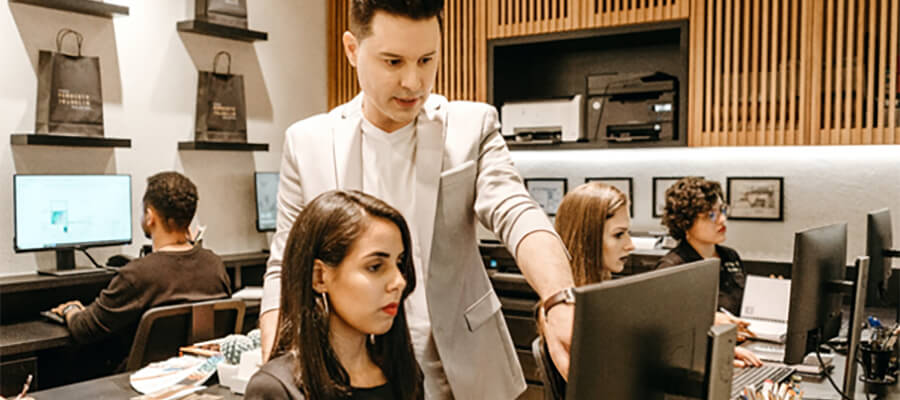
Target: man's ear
x,y
322,276
150,216
351,48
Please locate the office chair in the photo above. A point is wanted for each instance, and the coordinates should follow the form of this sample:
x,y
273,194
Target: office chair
x,y
554,385
164,329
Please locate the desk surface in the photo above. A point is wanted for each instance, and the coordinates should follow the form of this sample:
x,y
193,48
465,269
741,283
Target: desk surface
x,y
820,390
116,387
32,336
20,283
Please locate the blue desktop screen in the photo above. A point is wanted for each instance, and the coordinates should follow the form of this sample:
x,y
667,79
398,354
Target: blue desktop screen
x,y
266,200
62,211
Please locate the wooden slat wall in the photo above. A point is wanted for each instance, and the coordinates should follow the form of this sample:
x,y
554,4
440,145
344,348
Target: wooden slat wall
x,y
462,74
794,72
510,18
747,59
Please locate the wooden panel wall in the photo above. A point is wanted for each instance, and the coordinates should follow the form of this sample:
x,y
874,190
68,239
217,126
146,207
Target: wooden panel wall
x,y
509,18
793,72
463,71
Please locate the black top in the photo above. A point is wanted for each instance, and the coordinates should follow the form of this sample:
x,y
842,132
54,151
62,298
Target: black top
x,y
275,380
732,277
158,279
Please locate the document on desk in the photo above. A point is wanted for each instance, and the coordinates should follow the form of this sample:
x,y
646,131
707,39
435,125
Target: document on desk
x,y
765,306
173,378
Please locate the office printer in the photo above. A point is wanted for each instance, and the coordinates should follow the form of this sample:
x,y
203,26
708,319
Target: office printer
x,y
543,121
632,107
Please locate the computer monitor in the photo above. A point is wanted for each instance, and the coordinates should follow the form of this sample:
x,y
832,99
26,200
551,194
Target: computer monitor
x,y
266,200
67,212
814,315
645,336
879,242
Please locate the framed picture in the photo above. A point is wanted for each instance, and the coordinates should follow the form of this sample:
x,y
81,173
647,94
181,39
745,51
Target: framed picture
x,y
623,184
660,184
756,198
548,192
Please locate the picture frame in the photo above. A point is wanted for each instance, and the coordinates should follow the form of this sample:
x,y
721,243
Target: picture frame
x,y
660,184
548,192
756,198
625,184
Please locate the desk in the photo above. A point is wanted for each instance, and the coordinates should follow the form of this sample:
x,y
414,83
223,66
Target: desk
x,y
31,336
253,262
117,387
821,390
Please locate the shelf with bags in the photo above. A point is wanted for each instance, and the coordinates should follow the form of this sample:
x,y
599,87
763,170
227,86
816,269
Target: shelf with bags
x,y
89,7
223,31
40,139
223,146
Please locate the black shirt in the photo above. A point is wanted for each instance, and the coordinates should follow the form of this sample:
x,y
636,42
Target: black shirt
x,y
732,277
275,380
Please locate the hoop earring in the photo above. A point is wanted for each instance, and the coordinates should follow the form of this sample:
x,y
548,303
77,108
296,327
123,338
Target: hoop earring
x,y
372,338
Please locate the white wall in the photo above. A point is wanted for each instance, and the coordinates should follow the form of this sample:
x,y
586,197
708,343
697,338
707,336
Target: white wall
x,y
149,73
822,185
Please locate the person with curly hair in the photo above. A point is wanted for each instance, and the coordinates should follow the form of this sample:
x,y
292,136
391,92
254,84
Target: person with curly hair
x,y
175,272
696,215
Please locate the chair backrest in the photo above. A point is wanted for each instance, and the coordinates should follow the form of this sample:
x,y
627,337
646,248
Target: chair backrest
x,y
164,329
554,384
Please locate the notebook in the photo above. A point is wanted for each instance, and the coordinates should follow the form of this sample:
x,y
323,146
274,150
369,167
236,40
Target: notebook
x,y
765,306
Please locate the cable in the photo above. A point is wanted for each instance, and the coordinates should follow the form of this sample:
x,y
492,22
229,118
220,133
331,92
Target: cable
x,y
84,250
825,371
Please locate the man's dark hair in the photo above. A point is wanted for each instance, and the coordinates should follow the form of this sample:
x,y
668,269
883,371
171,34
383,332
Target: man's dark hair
x,y
362,12
174,197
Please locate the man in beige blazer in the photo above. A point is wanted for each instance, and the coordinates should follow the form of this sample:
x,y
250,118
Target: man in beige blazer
x,y
458,172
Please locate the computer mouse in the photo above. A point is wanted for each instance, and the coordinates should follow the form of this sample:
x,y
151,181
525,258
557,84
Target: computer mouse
x,y
118,260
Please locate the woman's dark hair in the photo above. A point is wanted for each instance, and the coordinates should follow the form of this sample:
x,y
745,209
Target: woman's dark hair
x,y
362,12
685,200
325,230
174,197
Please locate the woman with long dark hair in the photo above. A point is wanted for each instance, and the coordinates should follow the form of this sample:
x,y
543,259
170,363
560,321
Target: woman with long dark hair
x,y
342,331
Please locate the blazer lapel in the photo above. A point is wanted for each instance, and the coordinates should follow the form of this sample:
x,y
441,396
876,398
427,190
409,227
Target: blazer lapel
x,y
347,147
430,131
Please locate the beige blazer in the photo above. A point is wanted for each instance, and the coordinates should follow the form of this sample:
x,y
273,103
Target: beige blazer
x,y
463,175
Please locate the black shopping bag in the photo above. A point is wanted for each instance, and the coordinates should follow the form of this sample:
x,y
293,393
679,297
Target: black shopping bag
x,y
221,107
226,12
70,95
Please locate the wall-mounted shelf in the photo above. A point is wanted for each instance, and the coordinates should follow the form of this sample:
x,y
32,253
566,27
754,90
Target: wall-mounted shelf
x,y
40,139
224,146
223,31
89,7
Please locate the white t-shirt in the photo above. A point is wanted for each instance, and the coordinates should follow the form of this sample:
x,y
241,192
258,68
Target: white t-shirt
x,y
389,173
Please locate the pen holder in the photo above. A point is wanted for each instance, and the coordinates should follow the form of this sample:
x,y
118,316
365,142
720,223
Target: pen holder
x,y
876,362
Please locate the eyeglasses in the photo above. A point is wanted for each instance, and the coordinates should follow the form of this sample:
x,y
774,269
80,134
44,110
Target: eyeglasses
x,y
722,210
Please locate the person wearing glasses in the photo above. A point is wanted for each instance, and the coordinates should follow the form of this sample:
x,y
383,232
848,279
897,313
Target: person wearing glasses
x,y
696,215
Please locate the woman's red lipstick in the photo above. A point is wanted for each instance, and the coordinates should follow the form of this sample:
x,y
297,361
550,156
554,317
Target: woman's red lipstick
x,y
391,309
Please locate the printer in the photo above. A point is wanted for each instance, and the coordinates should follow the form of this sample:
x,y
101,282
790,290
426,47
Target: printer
x,y
543,121
632,107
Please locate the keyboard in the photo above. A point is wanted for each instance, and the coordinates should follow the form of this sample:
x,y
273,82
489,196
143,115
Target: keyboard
x,y
754,377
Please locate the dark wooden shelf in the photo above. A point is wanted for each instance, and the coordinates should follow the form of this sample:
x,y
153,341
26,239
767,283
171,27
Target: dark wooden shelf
x,y
89,7
40,139
226,146
224,31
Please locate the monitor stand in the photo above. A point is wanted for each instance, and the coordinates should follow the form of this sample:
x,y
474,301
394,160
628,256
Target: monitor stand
x,y
65,265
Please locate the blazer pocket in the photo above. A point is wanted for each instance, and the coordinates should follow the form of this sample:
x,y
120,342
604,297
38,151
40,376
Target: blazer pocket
x,y
458,174
482,310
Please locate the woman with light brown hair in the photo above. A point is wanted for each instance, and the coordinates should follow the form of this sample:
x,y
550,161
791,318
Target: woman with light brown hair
x,y
593,222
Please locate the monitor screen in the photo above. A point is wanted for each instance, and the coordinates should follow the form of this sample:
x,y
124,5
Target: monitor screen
x,y
622,336
814,315
266,200
878,239
65,211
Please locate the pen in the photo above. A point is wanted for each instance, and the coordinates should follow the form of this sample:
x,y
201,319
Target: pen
x,y
25,388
